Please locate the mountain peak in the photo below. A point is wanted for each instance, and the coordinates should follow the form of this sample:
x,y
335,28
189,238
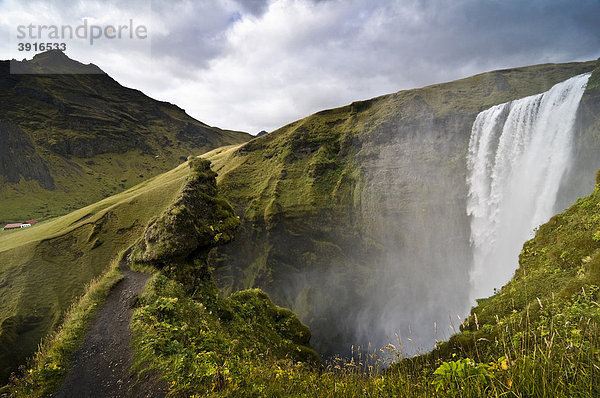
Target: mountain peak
x,y
53,62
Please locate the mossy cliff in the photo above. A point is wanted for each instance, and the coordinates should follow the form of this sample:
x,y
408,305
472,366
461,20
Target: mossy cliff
x,y
185,328
356,210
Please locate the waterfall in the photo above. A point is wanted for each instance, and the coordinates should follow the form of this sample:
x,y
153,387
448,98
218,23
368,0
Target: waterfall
x,y
518,153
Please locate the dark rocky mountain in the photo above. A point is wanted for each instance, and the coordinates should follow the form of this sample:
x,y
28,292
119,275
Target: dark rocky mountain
x,y
72,135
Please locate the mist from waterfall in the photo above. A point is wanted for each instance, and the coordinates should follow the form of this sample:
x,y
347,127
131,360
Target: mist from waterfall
x,y
518,154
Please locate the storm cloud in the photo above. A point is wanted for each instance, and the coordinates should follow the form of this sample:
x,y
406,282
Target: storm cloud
x,y
254,65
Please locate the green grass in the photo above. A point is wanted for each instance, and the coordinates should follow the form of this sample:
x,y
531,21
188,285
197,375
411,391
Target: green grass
x,y
205,343
156,186
350,178
43,268
43,375
538,337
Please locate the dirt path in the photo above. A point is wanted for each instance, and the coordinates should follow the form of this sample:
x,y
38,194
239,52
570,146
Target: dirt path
x,y
101,366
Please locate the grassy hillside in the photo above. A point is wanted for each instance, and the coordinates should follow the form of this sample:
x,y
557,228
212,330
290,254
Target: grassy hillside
x,y
183,327
45,267
321,201
315,201
70,140
538,337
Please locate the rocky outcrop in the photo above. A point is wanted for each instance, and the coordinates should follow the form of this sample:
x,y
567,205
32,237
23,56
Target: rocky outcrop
x,y
197,220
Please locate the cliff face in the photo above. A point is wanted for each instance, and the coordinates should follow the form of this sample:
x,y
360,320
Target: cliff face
x,y
355,217
84,136
18,158
586,146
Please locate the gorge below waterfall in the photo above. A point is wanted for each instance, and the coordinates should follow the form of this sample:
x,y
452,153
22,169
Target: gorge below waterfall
x,y
443,249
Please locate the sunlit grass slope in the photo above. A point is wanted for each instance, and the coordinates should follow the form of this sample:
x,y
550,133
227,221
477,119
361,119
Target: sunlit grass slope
x,y
45,267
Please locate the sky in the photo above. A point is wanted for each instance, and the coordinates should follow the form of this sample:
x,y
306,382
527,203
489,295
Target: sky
x,y
260,64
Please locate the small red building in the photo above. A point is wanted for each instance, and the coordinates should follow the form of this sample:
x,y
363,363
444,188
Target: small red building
x,y
13,226
18,225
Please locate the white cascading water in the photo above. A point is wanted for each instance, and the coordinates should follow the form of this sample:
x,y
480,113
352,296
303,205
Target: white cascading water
x,y
518,153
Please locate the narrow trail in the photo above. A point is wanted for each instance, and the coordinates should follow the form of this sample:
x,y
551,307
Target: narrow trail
x,y
101,366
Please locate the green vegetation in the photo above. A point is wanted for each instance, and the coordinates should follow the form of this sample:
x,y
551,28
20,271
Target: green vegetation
x,y
45,267
305,196
197,218
76,139
549,312
539,336
322,196
43,374
214,344
198,340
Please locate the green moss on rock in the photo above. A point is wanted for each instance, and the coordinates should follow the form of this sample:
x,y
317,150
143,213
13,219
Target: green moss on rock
x,y
197,219
209,343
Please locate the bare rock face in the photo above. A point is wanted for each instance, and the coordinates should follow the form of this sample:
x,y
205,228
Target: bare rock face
x,y
19,159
